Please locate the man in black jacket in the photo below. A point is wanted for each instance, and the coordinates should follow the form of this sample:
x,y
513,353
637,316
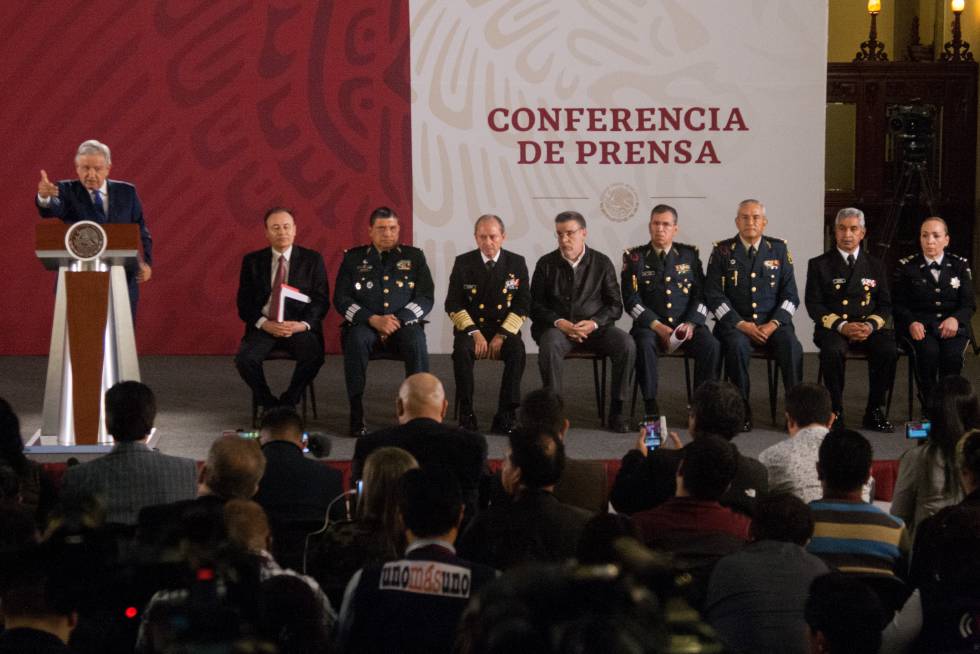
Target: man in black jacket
x,y
421,407
270,279
488,299
847,297
647,479
575,301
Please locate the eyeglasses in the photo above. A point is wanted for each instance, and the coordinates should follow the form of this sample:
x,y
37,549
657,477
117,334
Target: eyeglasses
x,y
568,233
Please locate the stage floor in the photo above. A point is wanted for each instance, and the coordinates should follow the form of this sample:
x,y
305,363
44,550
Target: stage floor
x,y
200,396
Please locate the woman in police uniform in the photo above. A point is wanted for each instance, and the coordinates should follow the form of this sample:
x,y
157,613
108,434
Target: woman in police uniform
x,y
933,304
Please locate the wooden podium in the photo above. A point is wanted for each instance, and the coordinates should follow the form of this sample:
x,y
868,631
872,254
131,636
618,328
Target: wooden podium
x,y
92,341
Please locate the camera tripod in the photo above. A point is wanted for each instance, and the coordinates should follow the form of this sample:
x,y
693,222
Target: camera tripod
x,y
914,184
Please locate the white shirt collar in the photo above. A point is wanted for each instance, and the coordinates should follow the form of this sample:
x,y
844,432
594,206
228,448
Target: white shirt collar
x,y
104,189
486,258
425,542
844,255
746,245
288,253
938,260
574,264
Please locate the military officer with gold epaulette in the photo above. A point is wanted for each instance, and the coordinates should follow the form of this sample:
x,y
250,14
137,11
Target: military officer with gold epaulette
x,y
751,290
848,299
383,291
934,303
488,300
663,284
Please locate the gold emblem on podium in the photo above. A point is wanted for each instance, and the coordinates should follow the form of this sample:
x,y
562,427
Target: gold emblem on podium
x,y
85,240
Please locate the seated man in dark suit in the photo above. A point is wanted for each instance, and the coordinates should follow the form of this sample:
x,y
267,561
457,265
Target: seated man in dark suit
x,y
575,302
646,479
421,408
534,527
267,275
132,475
293,488
102,200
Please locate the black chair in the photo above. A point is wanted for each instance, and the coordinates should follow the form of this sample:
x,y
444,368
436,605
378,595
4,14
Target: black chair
x,y
598,378
860,354
772,374
281,354
676,354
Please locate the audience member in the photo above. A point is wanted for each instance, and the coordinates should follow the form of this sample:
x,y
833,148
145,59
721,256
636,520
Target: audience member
x,y
596,546
941,616
290,616
792,463
849,534
843,616
756,595
293,487
36,490
693,525
414,604
376,534
40,600
232,470
535,526
248,529
131,476
927,479
934,531
583,483
421,407
646,479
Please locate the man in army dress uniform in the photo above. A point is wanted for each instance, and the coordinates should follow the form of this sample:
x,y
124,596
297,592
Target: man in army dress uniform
x,y
488,300
934,303
751,290
383,291
847,297
663,286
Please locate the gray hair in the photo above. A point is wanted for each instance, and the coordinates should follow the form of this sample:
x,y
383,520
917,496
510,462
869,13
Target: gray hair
x,y
92,146
752,201
850,212
489,216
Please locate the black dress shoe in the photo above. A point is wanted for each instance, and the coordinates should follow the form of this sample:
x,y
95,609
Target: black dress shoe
x,y
503,423
838,421
357,430
875,420
747,425
617,423
467,420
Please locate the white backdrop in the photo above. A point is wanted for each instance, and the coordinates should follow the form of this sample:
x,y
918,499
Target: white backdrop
x,y
482,69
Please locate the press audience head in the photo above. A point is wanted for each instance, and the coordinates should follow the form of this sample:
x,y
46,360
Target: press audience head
x,y
421,396
233,468
843,615
535,461
431,504
808,405
543,410
281,423
130,409
247,525
707,469
782,517
954,408
844,463
717,408
969,460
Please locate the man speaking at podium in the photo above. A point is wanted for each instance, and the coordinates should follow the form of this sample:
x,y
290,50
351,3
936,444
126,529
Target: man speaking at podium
x,y
102,200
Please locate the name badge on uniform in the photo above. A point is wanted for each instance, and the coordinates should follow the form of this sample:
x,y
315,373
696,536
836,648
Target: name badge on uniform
x,y
682,268
511,284
467,287
648,273
772,264
404,264
365,268
839,280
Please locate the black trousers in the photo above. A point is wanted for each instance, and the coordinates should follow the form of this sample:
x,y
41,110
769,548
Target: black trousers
x,y
882,355
511,353
612,342
703,348
936,358
782,345
305,347
358,341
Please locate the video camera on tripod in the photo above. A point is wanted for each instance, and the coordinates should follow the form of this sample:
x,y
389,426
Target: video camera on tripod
x,y
914,129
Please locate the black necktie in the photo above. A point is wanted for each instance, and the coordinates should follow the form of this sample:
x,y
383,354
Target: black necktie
x,y
97,203
934,266
752,253
662,255
384,258
490,265
850,261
